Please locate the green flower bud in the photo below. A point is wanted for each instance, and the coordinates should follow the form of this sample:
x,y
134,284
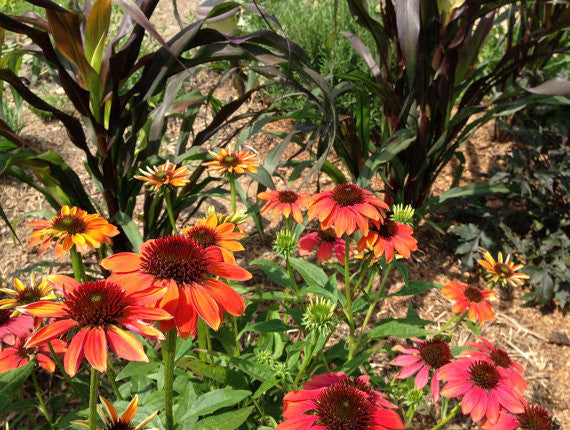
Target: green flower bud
x,y
285,243
403,214
319,314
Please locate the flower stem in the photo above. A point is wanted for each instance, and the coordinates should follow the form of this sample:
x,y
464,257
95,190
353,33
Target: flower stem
x,y
294,283
457,324
43,407
93,392
78,266
233,192
448,323
447,418
168,352
347,291
59,365
112,375
169,210
306,360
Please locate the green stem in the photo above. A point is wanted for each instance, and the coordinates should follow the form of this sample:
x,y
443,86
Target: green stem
x,y
457,324
43,407
448,323
169,210
112,375
93,393
59,365
306,360
203,335
233,192
294,283
347,291
168,352
78,266
447,418
235,326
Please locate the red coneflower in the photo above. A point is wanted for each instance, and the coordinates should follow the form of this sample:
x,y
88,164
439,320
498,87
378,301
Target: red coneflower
x,y
19,355
98,309
167,174
111,418
470,298
326,241
208,233
430,354
485,350
284,203
186,269
336,401
384,238
533,418
485,388
232,162
71,226
13,327
346,208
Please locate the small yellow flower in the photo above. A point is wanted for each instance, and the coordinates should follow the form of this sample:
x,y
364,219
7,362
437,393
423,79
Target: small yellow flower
x,y
232,162
502,272
167,174
24,295
111,419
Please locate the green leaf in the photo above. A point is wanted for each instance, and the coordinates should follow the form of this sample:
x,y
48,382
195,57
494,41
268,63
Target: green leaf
x,y
472,326
400,328
220,374
313,275
130,229
96,29
226,421
10,382
273,271
136,368
270,326
217,399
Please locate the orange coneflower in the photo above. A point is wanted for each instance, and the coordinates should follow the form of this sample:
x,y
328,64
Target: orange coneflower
x,y
98,309
19,354
470,298
384,238
232,162
183,266
71,226
346,208
166,174
111,419
24,295
285,203
207,232
502,272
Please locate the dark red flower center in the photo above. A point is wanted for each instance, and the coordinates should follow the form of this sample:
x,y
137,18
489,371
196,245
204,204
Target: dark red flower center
x,y
347,194
344,407
29,295
175,257
97,303
21,351
435,352
288,196
70,224
231,160
500,357
473,294
204,235
327,235
484,375
388,229
5,316
535,418
119,425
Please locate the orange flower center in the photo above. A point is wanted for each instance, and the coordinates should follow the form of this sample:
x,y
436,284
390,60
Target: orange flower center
x,y
175,257
231,160
70,224
327,235
473,294
204,235
500,357
484,375
347,194
5,317
388,229
288,196
342,406
119,425
96,303
535,418
435,353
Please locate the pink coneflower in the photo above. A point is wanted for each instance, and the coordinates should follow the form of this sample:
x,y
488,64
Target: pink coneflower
x,y
11,328
499,357
19,355
471,299
533,418
431,354
485,388
326,241
336,401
